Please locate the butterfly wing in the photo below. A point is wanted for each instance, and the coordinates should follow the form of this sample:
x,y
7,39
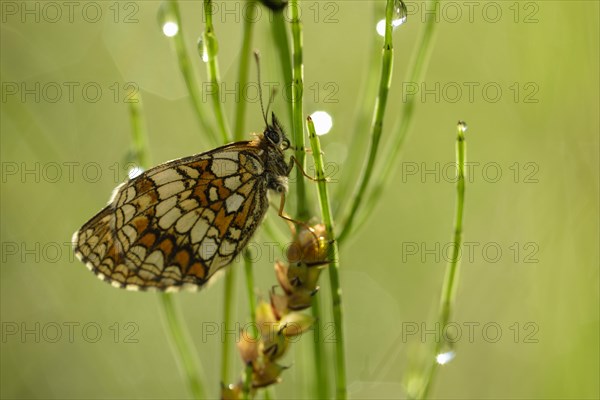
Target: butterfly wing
x,y
178,223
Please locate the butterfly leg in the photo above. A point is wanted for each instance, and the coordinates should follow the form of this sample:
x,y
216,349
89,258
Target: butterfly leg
x,y
306,150
292,221
294,160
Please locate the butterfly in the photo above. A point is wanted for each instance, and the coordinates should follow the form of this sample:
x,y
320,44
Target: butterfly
x,y
177,224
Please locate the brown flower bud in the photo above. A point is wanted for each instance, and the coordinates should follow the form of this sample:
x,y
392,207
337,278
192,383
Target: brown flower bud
x,y
309,247
294,324
268,374
248,347
231,392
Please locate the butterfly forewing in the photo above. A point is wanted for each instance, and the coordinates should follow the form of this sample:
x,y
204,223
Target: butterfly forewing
x,y
176,224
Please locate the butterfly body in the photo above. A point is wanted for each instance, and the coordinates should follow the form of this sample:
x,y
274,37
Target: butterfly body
x,y
175,225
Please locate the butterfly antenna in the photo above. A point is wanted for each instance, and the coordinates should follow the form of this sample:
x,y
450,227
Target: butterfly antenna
x,y
262,107
271,99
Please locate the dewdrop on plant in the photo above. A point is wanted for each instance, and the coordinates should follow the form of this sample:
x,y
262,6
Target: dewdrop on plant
x,y
399,18
167,20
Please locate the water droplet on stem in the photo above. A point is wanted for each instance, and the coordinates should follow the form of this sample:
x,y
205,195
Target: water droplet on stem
x,y
167,20
445,357
323,122
400,13
202,51
399,17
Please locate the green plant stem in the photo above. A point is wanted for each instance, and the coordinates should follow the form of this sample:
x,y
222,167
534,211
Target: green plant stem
x,y
185,65
291,62
267,393
416,72
250,289
365,101
452,270
139,137
252,306
244,69
240,117
377,124
282,45
211,46
322,384
334,280
302,212
247,387
292,71
228,300
184,350
181,342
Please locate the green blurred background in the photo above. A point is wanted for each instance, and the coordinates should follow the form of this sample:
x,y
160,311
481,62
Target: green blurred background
x,y
65,334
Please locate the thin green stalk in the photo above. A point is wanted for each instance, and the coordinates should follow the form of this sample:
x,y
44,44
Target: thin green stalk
x,y
254,330
452,270
292,70
416,72
139,137
240,117
365,101
291,62
185,65
322,384
334,280
247,387
302,211
244,69
282,45
228,300
211,48
267,395
377,124
185,352
250,289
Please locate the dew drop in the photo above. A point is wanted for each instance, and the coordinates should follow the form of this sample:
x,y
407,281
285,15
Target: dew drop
x,y
167,20
202,50
445,358
399,17
381,27
323,122
462,126
170,29
400,13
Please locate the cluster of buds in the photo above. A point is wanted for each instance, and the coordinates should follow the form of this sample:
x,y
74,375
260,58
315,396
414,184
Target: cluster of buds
x,y
279,320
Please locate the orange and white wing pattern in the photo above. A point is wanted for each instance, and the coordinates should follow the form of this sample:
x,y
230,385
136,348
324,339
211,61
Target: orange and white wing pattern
x,y
176,224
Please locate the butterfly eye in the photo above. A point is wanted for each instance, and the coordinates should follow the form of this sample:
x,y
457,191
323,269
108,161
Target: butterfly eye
x,y
273,136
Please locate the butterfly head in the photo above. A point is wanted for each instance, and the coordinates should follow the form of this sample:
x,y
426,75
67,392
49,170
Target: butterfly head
x,y
275,135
